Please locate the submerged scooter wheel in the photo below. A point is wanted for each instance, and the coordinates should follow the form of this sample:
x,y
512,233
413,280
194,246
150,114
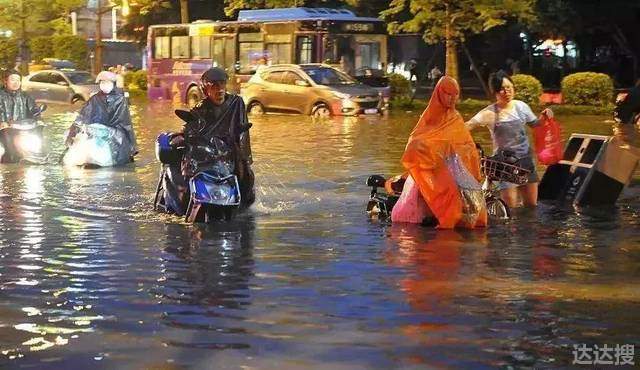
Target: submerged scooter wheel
x,y
498,209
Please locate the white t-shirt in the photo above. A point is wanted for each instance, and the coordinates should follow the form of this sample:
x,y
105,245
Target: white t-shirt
x,y
507,126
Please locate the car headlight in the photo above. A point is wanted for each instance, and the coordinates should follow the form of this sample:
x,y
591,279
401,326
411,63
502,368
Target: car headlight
x,y
340,95
29,143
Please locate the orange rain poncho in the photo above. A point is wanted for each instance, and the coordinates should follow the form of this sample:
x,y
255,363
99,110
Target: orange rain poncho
x,y
440,132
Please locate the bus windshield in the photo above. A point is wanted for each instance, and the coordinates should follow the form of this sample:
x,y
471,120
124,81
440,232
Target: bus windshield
x,y
328,76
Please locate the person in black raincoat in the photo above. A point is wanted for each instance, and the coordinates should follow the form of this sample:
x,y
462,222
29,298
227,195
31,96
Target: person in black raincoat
x,y
108,107
15,104
223,115
628,108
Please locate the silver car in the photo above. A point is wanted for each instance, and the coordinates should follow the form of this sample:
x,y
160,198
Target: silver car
x,y
60,86
316,89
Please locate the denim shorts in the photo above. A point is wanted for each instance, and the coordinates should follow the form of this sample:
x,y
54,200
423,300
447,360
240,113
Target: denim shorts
x,y
526,163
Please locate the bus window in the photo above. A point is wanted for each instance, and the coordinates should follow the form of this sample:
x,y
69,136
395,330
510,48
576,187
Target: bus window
x,y
330,50
369,55
179,47
251,51
279,53
201,47
229,52
218,52
161,47
304,50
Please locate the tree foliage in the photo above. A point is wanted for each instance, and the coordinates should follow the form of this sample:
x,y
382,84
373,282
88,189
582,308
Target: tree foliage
x,y
452,21
465,17
42,17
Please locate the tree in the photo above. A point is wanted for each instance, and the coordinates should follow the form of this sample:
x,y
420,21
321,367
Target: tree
x,y
29,18
452,21
592,24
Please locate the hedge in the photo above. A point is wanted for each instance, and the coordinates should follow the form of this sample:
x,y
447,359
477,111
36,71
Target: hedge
x,y
587,88
136,80
400,85
528,88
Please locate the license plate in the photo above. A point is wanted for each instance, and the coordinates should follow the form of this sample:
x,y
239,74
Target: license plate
x,y
371,111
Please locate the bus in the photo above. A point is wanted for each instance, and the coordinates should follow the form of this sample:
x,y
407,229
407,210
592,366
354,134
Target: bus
x,y
179,53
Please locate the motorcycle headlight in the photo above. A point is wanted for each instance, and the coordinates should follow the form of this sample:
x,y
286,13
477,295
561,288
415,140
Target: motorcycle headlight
x,y
29,143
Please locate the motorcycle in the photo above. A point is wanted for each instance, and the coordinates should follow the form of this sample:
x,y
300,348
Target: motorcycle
x,y
21,141
98,145
211,191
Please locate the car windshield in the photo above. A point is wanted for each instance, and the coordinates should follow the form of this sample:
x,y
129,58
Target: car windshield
x,y
80,78
328,76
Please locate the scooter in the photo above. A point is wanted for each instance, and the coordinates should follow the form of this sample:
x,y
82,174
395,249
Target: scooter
x,y
212,192
98,145
503,166
21,141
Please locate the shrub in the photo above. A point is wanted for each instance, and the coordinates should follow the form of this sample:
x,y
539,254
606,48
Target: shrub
x,y
400,85
405,102
136,80
528,88
587,88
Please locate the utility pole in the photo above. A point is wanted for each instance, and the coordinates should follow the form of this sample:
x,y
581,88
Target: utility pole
x,y
100,10
184,11
24,63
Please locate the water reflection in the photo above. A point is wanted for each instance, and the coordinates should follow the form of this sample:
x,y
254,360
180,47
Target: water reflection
x,y
90,275
204,286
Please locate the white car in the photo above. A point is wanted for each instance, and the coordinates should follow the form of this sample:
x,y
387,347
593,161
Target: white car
x,y
60,86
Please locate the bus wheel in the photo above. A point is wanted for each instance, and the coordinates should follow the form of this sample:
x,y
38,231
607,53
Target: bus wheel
x,y
255,108
193,96
321,110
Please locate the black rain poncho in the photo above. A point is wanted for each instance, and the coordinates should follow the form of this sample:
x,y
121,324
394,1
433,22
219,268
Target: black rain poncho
x,y
628,109
16,106
228,121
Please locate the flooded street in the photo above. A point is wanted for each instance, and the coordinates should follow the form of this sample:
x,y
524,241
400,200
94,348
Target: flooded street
x,y
91,277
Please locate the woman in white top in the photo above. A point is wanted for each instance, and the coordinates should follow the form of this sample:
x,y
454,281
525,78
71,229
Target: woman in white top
x,y
506,120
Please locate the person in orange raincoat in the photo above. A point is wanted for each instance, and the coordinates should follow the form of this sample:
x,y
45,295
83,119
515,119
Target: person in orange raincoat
x,y
441,134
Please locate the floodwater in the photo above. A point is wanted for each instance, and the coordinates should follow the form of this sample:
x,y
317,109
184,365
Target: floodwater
x,y
91,277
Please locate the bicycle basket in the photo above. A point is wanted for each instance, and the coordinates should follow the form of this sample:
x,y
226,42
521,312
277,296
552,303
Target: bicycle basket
x,y
501,171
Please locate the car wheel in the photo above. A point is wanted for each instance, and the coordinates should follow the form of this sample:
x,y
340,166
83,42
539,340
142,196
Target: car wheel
x,y
255,108
321,110
77,100
194,96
